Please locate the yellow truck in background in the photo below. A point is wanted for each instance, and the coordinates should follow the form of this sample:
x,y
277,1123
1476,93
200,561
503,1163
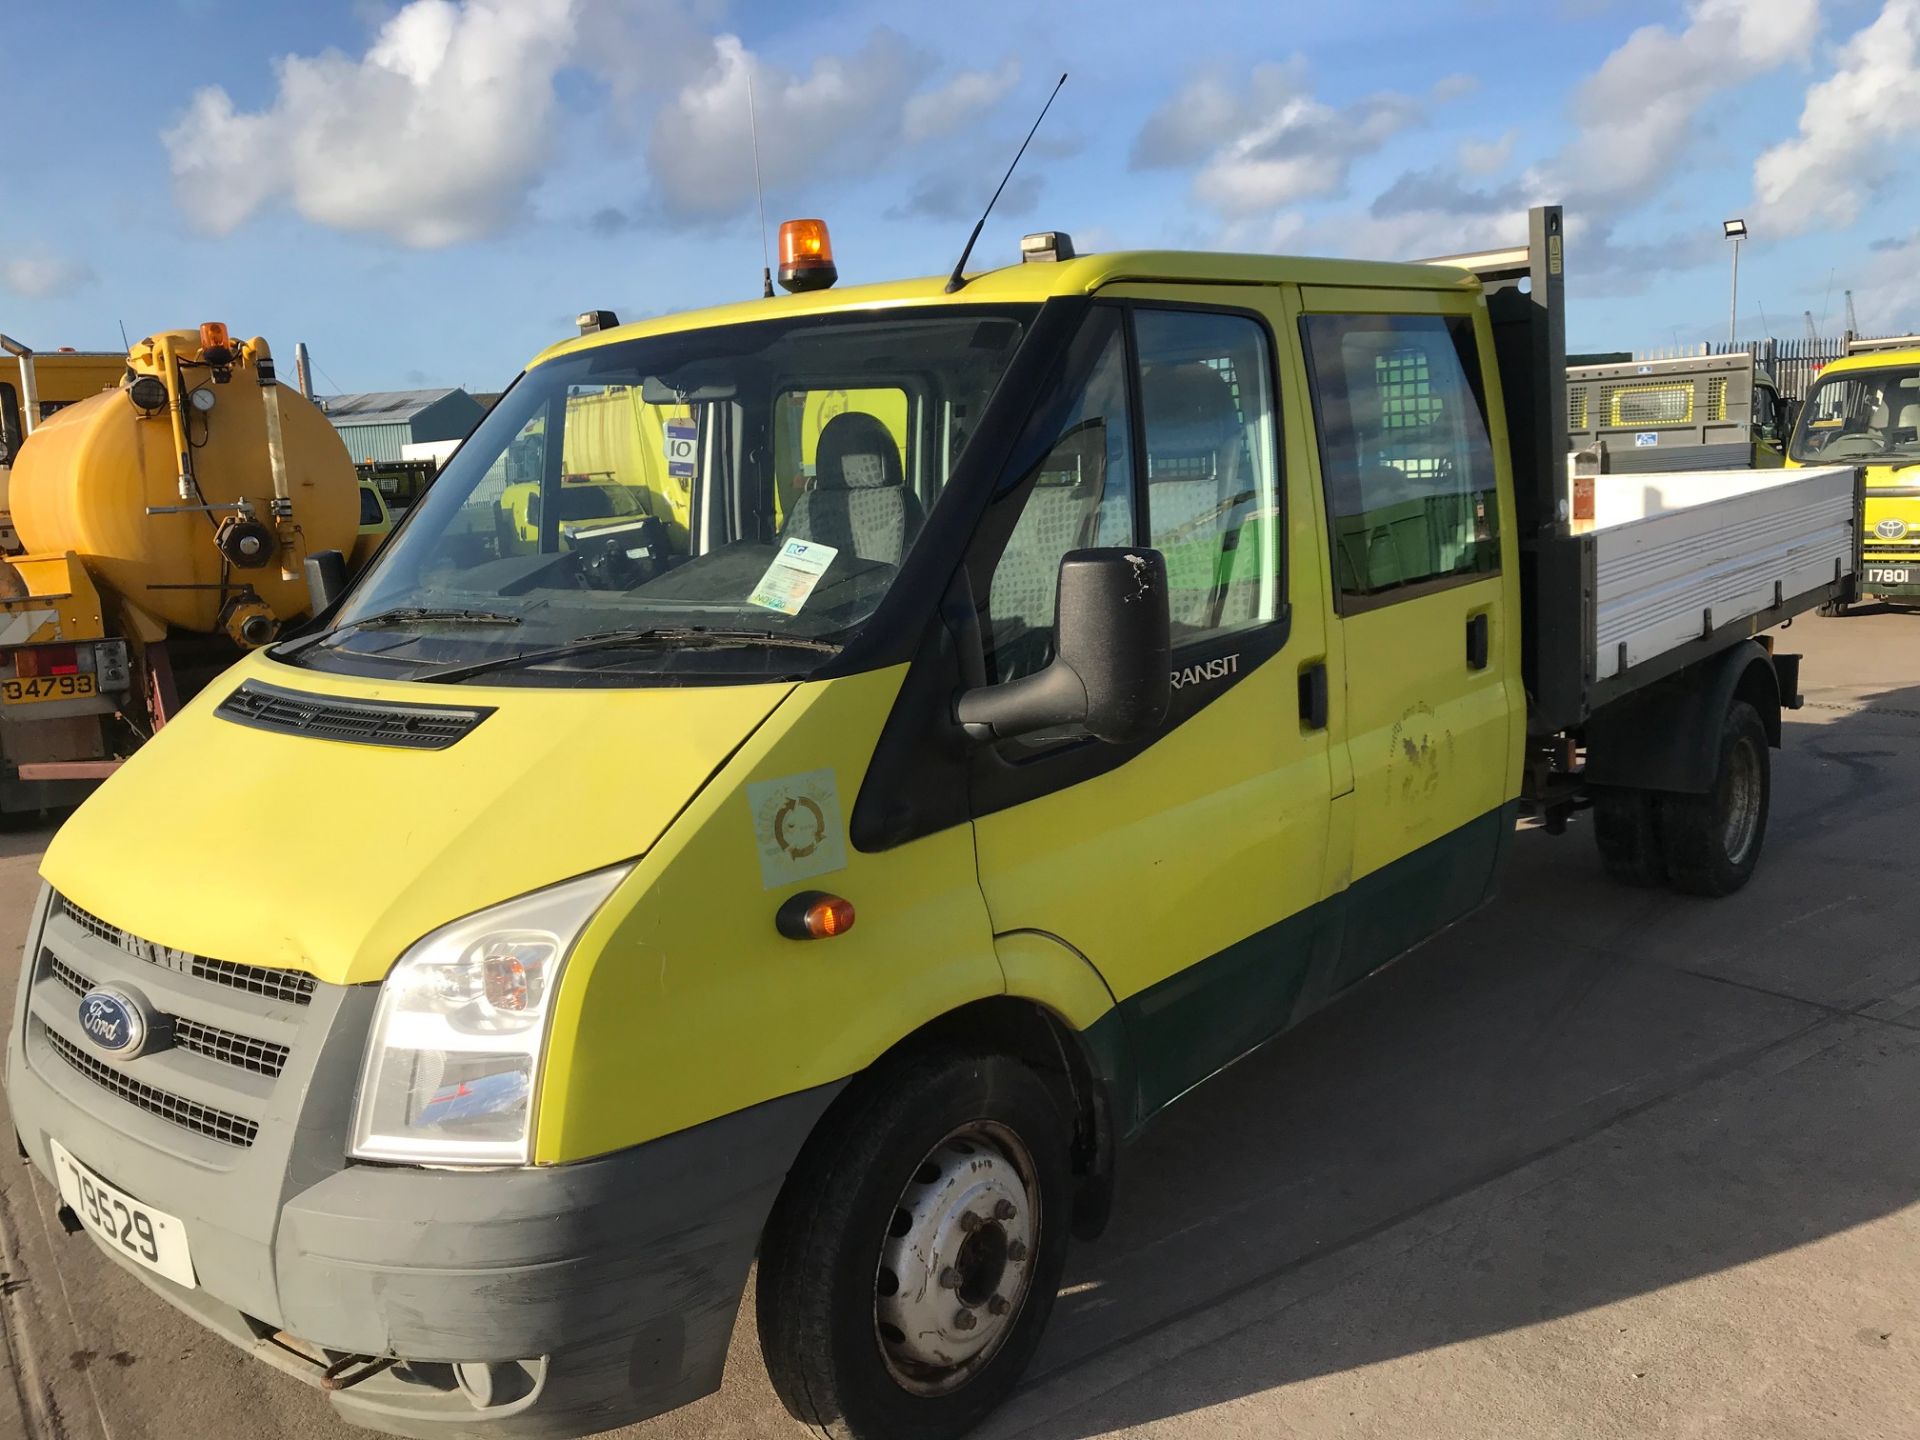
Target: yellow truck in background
x,y
35,386
162,526
1865,410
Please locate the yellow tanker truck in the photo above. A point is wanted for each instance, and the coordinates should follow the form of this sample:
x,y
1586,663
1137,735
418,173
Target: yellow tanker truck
x,y
165,525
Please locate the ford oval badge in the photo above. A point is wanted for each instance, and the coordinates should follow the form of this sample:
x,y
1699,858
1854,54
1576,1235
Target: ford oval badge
x,y
113,1022
1891,528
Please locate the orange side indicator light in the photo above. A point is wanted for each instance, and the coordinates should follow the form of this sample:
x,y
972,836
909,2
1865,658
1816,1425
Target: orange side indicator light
x,y
813,915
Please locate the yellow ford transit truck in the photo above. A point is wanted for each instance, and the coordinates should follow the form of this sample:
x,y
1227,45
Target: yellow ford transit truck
x,y
1865,410
1158,645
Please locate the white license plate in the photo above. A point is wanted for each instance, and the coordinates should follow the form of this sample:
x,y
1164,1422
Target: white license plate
x,y
145,1235
1889,575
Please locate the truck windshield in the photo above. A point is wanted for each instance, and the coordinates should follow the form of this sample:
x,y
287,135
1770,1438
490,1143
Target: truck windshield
x,y
1862,415
734,501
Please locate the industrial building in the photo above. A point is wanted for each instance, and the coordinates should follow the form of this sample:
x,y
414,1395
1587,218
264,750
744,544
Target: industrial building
x,y
377,424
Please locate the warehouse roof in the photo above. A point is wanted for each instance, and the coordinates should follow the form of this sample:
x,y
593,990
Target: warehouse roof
x,y
382,407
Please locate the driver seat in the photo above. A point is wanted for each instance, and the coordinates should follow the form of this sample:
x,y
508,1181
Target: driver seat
x,y
858,502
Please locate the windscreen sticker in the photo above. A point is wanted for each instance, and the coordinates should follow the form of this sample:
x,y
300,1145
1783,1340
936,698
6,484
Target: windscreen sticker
x,y
682,437
790,579
1646,438
797,827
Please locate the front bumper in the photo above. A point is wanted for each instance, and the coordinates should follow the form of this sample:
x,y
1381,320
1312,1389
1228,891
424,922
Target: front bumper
x,y
545,1301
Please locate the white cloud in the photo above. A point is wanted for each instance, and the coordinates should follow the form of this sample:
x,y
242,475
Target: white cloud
x,y
1854,126
1638,112
1487,157
843,114
1272,144
42,277
945,108
435,136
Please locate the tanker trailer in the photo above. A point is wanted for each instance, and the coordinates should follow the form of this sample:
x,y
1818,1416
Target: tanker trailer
x,y
166,524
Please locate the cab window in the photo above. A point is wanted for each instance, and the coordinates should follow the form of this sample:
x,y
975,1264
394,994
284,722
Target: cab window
x,y
1078,494
1202,489
1404,453
1206,400
10,431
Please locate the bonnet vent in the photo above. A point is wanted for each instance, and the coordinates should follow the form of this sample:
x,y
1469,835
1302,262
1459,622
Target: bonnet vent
x,y
359,722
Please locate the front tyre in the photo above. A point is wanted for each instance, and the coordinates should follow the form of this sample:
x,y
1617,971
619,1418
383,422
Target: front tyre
x,y
913,1258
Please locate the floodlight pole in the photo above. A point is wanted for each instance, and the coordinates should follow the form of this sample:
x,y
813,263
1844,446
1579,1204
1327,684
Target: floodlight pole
x,y
1733,306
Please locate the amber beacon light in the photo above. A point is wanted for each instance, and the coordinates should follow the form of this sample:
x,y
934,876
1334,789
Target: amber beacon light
x,y
806,256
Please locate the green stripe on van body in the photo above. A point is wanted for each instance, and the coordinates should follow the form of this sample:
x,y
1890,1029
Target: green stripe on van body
x,y
1193,1024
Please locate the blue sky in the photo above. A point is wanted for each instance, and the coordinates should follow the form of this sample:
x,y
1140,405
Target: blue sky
x,y
427,193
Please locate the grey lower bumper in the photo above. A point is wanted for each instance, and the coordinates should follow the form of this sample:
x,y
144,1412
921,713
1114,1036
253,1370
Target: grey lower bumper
x,y
605,1290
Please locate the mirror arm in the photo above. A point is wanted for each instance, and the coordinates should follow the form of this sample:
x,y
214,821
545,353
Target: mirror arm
x,y
1051,697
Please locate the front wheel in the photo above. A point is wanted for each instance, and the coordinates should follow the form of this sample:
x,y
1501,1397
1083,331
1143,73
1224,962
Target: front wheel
x,y
1712,841
914,1255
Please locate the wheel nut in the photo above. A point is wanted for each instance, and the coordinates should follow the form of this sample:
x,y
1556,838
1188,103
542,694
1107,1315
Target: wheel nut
x,y
1017,1252
998,1305
970,1222
965,1320
949,1279
1004,1210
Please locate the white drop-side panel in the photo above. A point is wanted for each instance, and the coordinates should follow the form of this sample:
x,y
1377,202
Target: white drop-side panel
x,y
1679,554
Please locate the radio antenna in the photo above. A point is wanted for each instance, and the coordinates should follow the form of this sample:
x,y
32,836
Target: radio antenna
x,y
759,195
956,280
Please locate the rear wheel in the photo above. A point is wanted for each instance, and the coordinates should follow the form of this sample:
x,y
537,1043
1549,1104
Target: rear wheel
x,y
1625,829
1712,841
913,1258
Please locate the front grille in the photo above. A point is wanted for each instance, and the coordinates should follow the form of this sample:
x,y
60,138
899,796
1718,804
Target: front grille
x,y
274,983
360,722
263,1057
188,1114
289,985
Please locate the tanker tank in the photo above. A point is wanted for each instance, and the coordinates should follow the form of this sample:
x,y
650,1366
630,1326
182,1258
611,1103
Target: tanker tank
x,y
192,493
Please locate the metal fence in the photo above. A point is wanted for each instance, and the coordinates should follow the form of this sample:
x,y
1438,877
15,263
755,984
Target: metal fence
x,y
1792,363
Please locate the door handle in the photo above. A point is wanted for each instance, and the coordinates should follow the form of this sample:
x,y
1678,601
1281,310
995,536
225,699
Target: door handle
x,y
1477,641
1313,696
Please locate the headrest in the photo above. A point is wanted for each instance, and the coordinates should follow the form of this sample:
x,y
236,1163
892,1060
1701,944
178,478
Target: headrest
x,y
1189,409
1909,417
855,453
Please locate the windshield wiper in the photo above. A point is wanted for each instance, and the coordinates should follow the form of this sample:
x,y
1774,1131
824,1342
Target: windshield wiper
x,y
689,636
421,614
400,615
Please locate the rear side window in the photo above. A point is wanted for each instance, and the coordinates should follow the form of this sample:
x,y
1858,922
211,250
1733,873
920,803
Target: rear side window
x,y
370,512
1404,453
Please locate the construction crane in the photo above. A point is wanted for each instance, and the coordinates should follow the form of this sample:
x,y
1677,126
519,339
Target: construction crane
x,y
1813,330
1853,323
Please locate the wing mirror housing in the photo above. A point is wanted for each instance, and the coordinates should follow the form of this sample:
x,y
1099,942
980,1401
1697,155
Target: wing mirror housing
x,y
1111,673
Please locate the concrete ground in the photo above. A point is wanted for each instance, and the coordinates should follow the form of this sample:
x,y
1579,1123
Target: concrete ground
x,y
1596,1163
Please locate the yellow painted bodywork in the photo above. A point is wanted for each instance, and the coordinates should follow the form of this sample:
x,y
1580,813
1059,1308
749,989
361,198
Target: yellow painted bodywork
x,y
61,604
681,1002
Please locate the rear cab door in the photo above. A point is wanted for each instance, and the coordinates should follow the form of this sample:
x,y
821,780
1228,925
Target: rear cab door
x,y
1410,456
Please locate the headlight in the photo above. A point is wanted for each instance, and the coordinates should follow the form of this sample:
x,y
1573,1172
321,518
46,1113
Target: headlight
x,y
455,1051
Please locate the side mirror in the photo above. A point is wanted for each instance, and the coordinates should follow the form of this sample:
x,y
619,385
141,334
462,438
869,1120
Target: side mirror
x,y
1111,673
326,578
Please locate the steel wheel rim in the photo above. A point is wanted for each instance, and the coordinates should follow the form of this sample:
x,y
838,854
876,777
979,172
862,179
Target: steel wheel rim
x,y
937,1265
1740,815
